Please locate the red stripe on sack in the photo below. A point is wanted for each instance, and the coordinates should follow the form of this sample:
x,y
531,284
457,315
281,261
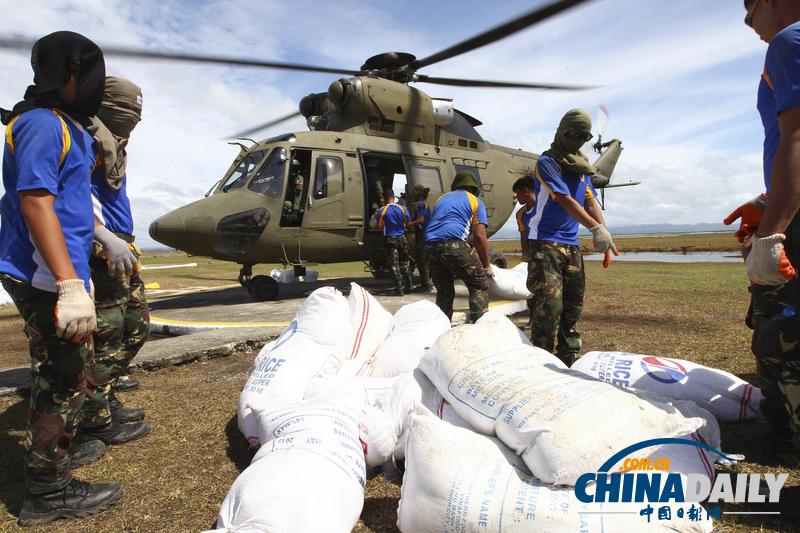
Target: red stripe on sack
x,y
362,326
704,458
748,393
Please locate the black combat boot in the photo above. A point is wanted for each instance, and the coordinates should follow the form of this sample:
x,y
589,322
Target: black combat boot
x,y
120,413
398,289
76,500
425,287
82,454
114,432
124,385
408,284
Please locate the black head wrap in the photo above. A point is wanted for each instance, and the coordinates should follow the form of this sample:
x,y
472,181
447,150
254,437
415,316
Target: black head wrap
x,y
51,59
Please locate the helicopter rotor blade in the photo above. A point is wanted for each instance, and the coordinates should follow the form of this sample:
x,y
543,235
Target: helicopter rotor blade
x,y
264,126
602,119
498,84
27,45
497,33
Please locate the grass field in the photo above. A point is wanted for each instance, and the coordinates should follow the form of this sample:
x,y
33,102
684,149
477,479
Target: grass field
x,y
175,478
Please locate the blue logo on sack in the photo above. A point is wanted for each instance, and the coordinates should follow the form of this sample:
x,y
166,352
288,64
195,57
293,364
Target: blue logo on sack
x,y
664,370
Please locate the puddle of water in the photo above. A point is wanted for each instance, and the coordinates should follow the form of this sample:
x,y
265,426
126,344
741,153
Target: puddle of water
x,y
672,257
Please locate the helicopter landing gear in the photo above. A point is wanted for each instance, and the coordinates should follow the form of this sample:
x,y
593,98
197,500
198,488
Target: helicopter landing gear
x,y
261,288
497,258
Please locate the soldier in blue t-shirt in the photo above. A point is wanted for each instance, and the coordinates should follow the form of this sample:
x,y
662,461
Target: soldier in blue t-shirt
x,y
525,189
456,216
772,246
123,319
45,240
420,217
564,201
393,218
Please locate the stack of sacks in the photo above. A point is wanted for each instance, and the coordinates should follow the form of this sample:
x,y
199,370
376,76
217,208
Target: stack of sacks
x,y
562,423
509,284
726,396
309,475
382,423
377,434
457,480
685,460
310,348
370,324
416,328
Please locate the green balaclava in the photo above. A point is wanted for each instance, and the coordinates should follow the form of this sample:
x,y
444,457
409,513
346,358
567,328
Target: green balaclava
x,y
120,112
567,152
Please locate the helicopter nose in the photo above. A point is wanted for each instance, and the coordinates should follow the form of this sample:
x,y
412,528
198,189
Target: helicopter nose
x,y
168,230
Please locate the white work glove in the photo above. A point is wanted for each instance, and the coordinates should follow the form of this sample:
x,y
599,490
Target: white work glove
x,y
121,261
602,240
489,271
75,313
767,263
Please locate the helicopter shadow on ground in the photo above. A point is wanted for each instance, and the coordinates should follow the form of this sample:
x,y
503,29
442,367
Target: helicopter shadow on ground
x,y
232,296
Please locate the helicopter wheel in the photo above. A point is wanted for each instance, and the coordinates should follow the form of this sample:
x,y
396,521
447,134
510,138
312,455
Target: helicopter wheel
x,y
263,288
497,258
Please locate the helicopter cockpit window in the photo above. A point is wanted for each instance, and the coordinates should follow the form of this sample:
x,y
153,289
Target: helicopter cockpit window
x,y
269,178
428,177
246,166
328,177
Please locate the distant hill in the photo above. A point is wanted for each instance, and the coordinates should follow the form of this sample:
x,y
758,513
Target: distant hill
x,y
512,233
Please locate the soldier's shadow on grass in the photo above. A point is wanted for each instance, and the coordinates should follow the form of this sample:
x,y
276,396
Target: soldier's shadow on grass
x,y
239,450
13,422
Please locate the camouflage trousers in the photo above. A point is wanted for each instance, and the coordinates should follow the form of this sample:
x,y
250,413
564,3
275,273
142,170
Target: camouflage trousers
x,y
557,281
452,259
421,257
776,345
61,370
123,326
397,256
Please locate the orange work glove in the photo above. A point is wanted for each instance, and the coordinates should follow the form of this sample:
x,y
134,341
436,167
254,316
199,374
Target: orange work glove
x,y
750,213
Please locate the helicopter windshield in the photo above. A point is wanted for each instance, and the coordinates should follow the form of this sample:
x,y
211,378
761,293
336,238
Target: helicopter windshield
x,y
240,174
269,178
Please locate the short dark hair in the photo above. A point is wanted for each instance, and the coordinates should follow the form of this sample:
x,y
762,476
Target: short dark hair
x,y
527,181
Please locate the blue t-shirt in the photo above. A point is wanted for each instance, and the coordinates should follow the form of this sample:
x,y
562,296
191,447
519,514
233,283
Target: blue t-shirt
x,y
421,209
393,219
453,216
44,151
550,221
779,89
523,219
112,208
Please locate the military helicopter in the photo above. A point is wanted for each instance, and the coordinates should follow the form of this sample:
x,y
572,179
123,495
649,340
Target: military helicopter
x,y
306,197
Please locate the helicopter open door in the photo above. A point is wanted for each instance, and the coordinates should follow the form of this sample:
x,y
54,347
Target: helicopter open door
x,y
326,203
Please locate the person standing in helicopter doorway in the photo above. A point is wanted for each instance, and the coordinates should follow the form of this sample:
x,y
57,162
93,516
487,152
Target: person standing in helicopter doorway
x,y
45,242
457,215
393,218
123,319
770,231
565,199
421,215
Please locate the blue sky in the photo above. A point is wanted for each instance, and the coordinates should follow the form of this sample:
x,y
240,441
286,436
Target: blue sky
x,y
678,76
